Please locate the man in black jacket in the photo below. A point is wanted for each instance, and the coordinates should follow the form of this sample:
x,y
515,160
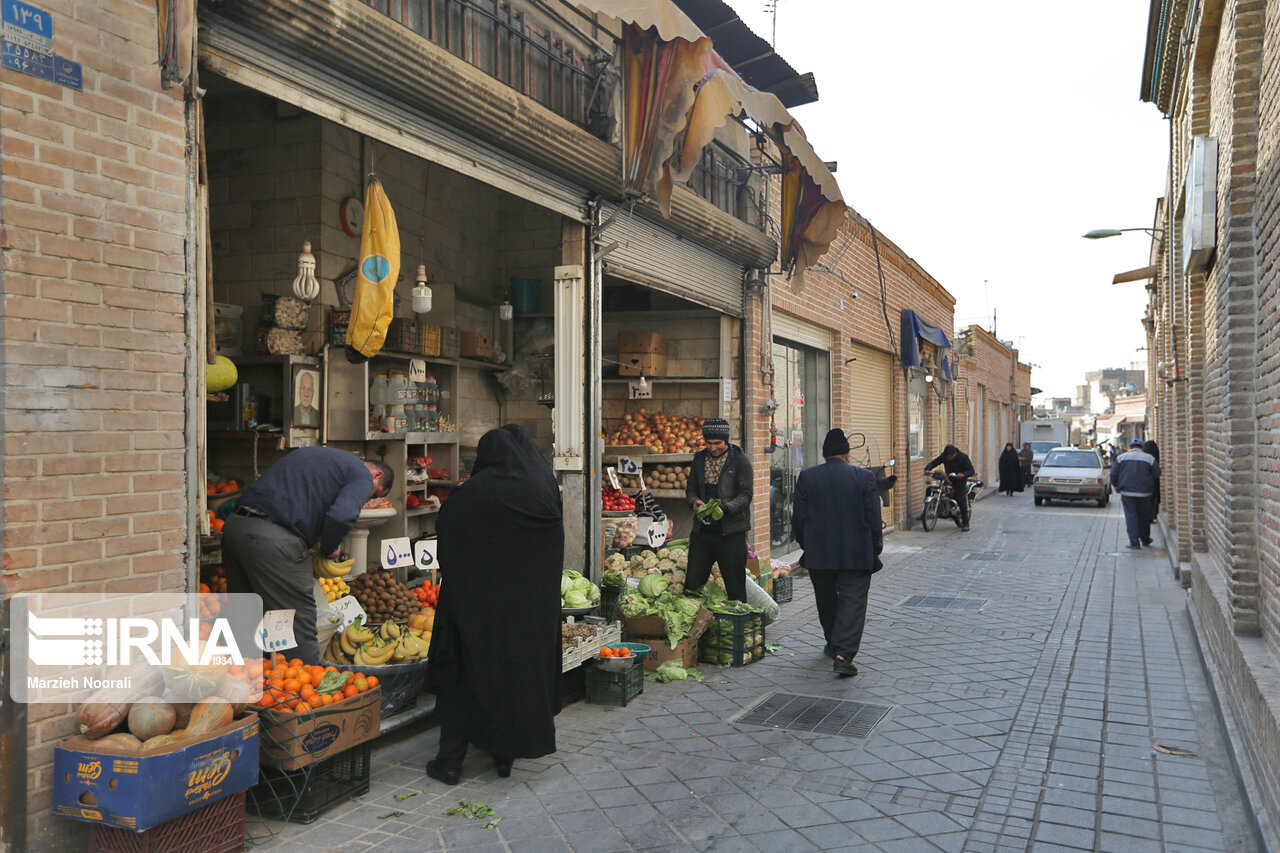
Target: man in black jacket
x,y
957,463
722,471
1135,475
836,519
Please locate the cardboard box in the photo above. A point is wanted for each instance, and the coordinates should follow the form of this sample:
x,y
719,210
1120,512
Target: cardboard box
x,y
651,629
137,791
648,363
292,741
642,342
475,345
660,652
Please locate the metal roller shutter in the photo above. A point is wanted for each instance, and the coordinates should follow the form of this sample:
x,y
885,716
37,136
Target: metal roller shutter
x,y
657,257
871,407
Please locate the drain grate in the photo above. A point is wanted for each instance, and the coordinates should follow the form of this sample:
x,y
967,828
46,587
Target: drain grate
x,y
993,557
817,714
945,602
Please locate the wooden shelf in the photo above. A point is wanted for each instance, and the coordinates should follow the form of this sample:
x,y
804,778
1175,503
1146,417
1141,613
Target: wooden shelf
x,y
673,494
430,437
420,510
439,359
649,457
442,482
663,379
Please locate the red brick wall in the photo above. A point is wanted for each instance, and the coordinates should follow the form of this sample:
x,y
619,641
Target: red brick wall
x,y
94,347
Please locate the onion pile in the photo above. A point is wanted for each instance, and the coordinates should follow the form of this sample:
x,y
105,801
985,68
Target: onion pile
x,y
659,432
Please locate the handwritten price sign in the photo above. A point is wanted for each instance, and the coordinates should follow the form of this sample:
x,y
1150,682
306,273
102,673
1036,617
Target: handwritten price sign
x,y
396,553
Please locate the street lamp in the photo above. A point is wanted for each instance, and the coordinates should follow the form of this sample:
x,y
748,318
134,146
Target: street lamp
x,y
1099,233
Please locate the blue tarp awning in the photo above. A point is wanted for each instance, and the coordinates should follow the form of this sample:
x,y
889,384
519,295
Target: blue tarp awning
x,y
912,328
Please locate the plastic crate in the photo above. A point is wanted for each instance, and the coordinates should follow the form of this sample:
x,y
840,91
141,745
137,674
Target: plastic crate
x,y
733,639
609,601
781,589
301,796
429,343
573,686
632,551
401,684
337,336
448,342
402,335
615,688
215,828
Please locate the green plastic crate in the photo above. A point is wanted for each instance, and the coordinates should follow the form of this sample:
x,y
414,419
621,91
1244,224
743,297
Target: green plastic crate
x,y
733,639
615,688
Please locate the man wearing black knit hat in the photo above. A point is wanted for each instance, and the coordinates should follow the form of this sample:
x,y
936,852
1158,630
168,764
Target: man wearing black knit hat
x,y
836,520
720,472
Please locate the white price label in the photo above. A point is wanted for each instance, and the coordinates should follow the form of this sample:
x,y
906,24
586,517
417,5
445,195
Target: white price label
x,y
349,609
275,631
417,370
636,393
657,533
627,465
728,390
613,478
396,553
424,555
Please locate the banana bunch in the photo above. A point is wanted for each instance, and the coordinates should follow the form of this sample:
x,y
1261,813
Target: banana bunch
x,y
360,645
326,568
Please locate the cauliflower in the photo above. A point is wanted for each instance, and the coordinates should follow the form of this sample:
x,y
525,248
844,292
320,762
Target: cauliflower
x,y
666,564
663,553
651,562
682,562
677,576
646,553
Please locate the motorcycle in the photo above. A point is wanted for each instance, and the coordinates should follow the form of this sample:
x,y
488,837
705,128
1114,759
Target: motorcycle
x,y
939,502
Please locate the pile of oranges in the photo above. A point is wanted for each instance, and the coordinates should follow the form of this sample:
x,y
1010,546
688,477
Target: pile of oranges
x,y
222,488
290,685
615,652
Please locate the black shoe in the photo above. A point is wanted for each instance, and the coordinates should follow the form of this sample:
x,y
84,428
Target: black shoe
x,y
844,667
1146,542
437,771
1133,546
964,528
503,766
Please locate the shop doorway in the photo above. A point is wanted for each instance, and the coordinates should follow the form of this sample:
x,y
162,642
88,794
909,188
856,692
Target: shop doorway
x,y
802,390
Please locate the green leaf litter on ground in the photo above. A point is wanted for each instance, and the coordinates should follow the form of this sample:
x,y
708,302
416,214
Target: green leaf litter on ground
x,y
400,798
772,648
493,824
390,814
472,810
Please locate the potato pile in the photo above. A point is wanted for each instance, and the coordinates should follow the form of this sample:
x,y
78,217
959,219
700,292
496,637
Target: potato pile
x,y
629,481
667,477
383,597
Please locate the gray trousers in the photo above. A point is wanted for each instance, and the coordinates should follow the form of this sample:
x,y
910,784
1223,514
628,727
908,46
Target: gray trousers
x,y
841,598
259,556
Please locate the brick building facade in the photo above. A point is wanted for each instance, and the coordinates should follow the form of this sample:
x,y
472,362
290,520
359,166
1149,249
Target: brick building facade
x,y
1214,70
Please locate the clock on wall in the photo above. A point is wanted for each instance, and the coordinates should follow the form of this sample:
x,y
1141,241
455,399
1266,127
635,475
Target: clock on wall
x,y
351,214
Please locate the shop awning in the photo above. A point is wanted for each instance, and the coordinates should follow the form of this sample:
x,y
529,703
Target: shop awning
x,y
1139,274
679,90
914,328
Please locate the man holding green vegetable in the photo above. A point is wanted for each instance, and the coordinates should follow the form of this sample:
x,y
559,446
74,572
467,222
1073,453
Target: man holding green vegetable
x,y
719,492
836,520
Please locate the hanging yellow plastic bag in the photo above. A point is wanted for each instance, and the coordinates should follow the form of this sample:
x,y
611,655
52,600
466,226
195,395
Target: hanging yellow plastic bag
x,y
379,269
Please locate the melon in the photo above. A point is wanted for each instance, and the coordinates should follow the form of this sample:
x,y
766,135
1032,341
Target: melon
x,y
220,375
151,717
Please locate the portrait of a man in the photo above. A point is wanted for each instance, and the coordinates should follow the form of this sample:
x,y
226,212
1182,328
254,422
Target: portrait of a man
x,y
305,388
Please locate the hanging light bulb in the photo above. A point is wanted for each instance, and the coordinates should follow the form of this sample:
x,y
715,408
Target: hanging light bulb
x,y
642,386
421,293
505,311
305,286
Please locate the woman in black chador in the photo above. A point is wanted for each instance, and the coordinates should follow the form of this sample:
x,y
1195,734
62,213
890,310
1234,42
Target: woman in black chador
x,y
1010,470
495,651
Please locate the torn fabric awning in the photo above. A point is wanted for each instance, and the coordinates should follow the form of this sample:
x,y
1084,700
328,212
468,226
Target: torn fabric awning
x,y
912,329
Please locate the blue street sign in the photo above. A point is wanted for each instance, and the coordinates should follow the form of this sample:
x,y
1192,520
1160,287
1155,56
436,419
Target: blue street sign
x,y
28,61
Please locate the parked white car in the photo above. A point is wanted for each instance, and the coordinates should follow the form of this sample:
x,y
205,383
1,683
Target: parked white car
x,y
1073,474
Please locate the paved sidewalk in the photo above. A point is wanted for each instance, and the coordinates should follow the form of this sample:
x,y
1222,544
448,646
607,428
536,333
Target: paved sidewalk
x,y
1027,717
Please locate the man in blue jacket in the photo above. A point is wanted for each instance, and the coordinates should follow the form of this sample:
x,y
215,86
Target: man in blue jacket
x,y
836,520
1133,476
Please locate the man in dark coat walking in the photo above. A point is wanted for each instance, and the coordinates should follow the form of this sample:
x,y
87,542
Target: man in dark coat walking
x,y
836,520
1134,475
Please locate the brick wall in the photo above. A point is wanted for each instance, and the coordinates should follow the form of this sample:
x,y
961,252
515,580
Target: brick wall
x,y
94,347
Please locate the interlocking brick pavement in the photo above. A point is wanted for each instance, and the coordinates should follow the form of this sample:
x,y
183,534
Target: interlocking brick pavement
x,y
1031,723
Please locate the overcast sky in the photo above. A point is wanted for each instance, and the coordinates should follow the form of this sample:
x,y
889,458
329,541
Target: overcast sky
x,y
984,138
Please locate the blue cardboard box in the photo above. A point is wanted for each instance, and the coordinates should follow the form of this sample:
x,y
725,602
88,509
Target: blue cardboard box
x,y
139,790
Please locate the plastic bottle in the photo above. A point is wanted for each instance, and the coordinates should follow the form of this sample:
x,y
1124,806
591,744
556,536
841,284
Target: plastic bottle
x,y
432,389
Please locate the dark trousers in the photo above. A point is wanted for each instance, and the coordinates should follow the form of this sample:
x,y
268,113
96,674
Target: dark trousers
x,y
1137,518
729,551
453,748
961,493
262,557
841,597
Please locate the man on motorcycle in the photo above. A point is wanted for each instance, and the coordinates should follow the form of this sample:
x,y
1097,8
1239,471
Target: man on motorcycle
x,y
959,469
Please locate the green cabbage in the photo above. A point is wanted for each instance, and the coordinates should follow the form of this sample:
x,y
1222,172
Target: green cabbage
x,y
613,580
652,586
635,604
672,670
574,598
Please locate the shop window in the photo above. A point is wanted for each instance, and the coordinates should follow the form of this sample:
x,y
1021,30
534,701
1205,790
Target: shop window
x,y
916,401
716,179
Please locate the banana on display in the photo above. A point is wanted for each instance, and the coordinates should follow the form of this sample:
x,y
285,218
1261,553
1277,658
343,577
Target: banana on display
x,y
327,568
390,643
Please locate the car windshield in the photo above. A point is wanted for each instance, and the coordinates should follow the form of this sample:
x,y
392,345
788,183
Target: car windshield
x,y
1043,446
1071,459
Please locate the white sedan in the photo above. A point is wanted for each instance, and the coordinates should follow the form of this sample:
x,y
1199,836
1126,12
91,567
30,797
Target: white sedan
x,y
1073,474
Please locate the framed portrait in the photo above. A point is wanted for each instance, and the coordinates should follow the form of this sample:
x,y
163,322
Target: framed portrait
x,y
307,398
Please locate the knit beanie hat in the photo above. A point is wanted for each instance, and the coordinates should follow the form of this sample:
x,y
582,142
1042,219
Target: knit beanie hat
x,y
1137,442
713,428
835,444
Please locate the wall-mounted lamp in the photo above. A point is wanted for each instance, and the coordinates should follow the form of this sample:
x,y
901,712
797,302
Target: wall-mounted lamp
x,y
421,293
305,286
505,311
1099,233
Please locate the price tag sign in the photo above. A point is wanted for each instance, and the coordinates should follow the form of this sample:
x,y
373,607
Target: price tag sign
x,y
275,631
417,370
635,393
424,555
396,553
657,533
728,390
627,465
349,609
613,478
